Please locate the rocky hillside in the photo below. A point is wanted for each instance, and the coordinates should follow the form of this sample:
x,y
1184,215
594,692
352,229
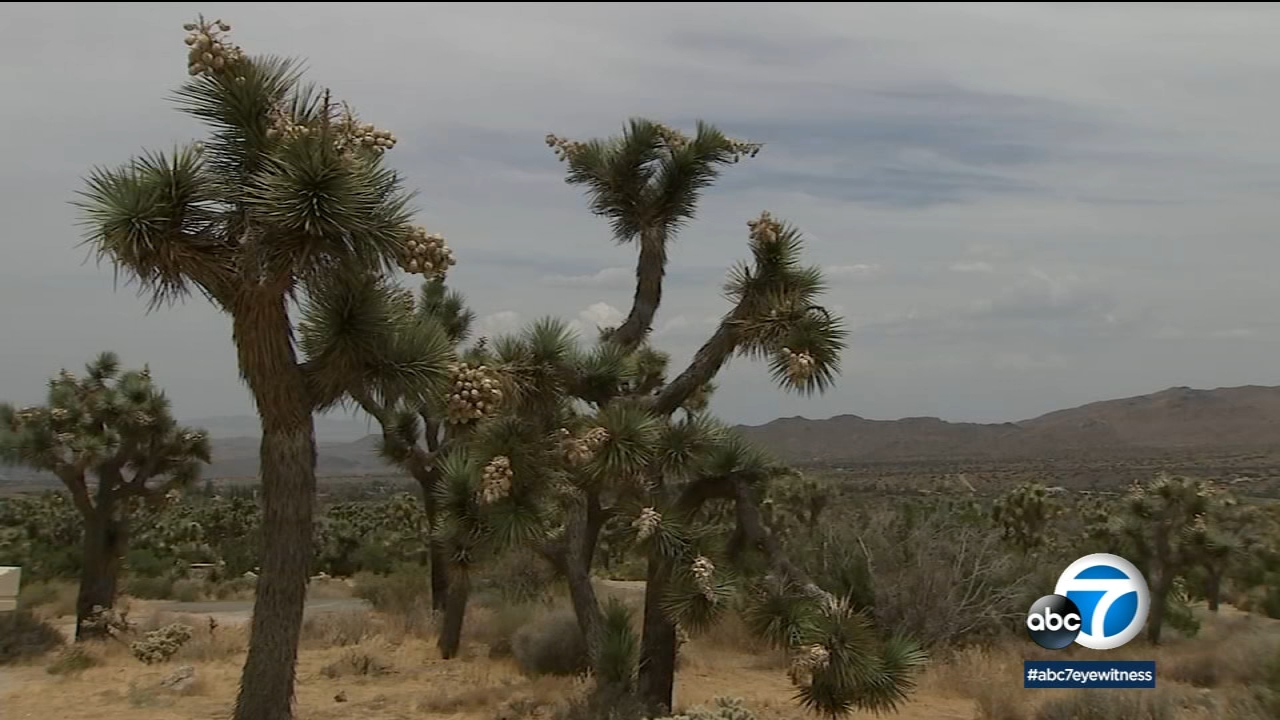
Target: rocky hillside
x,y
1177,420
1180,419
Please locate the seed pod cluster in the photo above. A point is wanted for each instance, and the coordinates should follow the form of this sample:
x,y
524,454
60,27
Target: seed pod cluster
x,y
646,524
580,450
673,138
283,127
564,148
210,52
800,365
703,570
808,660
426,255
743,149
495,481
352,134
474,393
59,413
764,229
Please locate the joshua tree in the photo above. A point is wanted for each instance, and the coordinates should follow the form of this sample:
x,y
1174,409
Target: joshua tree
x,y
1024,514
287,197
413,433
1161,526
647,183
110,438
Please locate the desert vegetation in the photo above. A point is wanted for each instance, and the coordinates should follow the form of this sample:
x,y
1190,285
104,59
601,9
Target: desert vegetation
x,y
582,531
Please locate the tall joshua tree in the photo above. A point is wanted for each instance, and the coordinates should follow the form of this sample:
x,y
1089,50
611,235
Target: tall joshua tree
x,y
288,196
647,182
110,437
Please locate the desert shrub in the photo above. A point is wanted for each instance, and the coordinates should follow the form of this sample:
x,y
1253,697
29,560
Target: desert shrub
x,y
1110,705
496,627
339,629
72,659
186,590
149,588
404,594
233,588
24,636
517,578
359,662
994,702
551,646
938,571
720,709
1229,661
603,703
619,651
160,645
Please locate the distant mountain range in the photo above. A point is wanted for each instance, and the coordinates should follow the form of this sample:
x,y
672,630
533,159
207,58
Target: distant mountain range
x,y
1177,420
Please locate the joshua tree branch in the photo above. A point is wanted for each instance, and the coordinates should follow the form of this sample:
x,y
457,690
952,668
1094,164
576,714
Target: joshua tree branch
x,y
650,268
755,532
73,478
712,356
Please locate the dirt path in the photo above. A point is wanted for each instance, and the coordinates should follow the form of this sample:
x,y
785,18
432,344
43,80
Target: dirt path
x,y
226,612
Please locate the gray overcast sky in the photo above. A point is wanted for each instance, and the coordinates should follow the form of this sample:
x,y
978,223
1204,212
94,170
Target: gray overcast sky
x,y
1021,206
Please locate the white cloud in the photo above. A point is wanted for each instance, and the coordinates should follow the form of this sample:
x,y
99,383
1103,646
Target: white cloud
x,y
859,270
594,317
499,323
972,267
608,277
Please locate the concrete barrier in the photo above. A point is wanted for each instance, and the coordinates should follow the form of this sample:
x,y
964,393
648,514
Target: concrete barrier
x,y
9,577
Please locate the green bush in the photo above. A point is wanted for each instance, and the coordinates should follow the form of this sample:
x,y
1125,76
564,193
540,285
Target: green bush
x,y
187,590
72,659
23,636
551,646
149,588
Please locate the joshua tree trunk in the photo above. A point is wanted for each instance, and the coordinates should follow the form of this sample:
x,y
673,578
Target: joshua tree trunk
x,y
288,458
1159,598
1214,589
455,612
658,644
579,550
428,479
104,545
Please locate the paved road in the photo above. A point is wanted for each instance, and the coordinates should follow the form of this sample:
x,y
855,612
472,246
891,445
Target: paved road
x,y
234,611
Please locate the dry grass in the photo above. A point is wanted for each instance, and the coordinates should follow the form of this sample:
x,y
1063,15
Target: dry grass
x,y
382,676
49,599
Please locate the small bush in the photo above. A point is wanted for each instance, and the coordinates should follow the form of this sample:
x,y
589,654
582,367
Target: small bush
x,y
993,702
356,662
72,659
149,588
1110,705
339,629
551,646
603,703
23,636
160,645
497,627
404,595
235,588
721,709
187,590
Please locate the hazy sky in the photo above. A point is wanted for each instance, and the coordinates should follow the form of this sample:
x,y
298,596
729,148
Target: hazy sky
x,y
1021,207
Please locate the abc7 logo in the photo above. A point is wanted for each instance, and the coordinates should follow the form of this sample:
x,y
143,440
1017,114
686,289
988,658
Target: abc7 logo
x,y
1054,622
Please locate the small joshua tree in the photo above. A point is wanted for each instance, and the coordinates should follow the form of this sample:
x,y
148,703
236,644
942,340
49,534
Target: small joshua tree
x,y
1161,527
1024,515
111,439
